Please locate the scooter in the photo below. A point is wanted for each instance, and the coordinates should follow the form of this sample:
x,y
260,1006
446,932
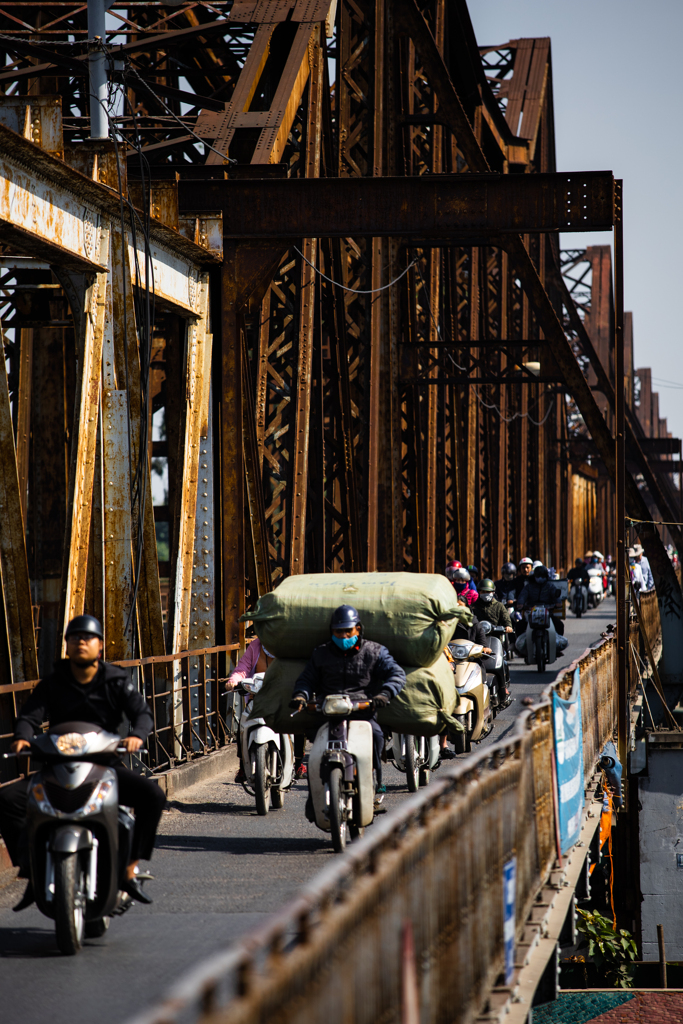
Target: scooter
x,y
267,756
415,756
496,666
540,645
473,709
579,599
340,775
596,590
79,839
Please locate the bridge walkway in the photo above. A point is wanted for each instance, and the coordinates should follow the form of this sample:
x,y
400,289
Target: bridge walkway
x,y
220,870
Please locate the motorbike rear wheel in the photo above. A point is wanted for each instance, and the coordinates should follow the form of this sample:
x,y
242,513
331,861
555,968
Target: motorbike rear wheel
x,y
69,903
412,765
261,780
540,654
337,809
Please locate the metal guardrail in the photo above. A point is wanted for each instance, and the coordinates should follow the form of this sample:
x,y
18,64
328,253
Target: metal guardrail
x,y
432,867
191,715
649,610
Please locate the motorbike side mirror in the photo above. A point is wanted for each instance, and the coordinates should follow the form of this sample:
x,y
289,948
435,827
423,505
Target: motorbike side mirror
x,y
486,626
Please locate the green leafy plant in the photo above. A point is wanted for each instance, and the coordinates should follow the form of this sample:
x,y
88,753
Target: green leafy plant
x,y
611,951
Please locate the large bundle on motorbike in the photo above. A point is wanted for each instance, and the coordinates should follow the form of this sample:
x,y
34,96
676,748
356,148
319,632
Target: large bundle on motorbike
x,y
413,614
423,708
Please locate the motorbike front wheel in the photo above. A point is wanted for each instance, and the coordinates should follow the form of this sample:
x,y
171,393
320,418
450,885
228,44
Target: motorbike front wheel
x,y
337,809
261,780
412,765
69,903
540,654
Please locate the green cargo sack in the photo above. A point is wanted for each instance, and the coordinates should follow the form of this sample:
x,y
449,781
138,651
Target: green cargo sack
x,y
413,614
424,707
272,701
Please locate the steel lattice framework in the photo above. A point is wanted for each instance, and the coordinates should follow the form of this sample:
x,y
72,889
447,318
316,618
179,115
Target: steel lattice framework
x,y
317,293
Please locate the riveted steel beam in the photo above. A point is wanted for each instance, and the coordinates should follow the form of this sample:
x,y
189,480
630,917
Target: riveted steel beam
x,y
433,208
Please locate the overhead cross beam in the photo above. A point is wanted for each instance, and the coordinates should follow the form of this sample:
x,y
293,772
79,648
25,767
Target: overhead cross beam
x,y
433,208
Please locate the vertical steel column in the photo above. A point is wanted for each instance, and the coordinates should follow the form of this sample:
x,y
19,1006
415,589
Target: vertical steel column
x,y
24,414
232,464
620,481
302,417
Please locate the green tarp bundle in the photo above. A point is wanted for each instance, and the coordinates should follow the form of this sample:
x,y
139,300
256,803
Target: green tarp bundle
x,y
423,708
413,614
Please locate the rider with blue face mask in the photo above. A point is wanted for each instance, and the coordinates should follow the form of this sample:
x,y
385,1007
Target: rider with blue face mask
x,y
350,664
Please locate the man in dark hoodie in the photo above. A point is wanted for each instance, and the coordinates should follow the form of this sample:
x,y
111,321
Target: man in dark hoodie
x,y
83,688
349,664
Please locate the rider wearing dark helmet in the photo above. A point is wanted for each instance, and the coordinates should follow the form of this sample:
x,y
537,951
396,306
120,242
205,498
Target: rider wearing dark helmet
x,y
349,664
509,586
83,688
540,589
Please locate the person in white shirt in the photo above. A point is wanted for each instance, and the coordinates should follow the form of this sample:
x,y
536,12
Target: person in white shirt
x,y
636,572
642,561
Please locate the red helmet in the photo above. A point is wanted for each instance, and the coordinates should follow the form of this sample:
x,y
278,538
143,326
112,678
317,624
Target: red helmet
x,y
454,564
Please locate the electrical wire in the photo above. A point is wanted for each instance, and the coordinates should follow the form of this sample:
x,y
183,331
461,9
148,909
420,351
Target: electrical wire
x,y
516,415
650,522
355,291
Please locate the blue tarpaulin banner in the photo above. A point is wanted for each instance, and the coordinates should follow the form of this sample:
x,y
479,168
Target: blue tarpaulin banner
x,y
509,899
569,761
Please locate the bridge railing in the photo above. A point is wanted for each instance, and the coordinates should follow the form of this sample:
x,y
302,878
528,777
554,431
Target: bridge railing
x,y
427,878
649,610
184,691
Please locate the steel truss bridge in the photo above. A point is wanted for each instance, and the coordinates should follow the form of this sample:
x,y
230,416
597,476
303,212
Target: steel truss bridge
x,y
303,310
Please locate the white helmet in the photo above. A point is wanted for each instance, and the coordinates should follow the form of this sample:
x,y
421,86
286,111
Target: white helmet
x,y
525,561
536,563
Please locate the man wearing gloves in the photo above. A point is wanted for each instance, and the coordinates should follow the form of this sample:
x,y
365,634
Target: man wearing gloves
x,y
349,664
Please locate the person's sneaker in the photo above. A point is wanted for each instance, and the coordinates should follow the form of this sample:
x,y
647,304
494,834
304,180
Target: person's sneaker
x,y
301,771
240,777
446,754
380,793
26,900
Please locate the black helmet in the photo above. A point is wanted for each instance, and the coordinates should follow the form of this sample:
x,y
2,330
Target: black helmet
x,y
509,567
579,563
541,573
85,624
473,570
344,617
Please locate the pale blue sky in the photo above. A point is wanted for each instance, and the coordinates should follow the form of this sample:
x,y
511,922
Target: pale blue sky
x,y
617,89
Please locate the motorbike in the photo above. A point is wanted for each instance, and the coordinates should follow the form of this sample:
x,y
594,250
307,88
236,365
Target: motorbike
x,y
596,590
79,838
267,756
415,756
473,709
579,599
497,671
340,774
540,645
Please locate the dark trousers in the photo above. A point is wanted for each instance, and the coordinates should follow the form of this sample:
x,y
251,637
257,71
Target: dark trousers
x,y
377,743
144,796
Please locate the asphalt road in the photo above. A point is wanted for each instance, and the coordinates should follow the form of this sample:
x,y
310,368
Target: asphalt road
x,y
219,869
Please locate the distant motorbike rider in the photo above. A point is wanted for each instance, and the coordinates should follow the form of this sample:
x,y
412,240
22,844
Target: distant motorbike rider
x,y
349,664
525,568
488,609
83,688
474,633
474,577
509,586
540,589
462,584
579,574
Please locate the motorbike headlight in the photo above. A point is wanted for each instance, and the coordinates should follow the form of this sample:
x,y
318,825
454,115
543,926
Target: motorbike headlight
x,y
459,652
100,794
338,704
38,794
70,743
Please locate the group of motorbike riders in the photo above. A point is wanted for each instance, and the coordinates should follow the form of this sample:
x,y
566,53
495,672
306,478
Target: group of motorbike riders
x,y
89,692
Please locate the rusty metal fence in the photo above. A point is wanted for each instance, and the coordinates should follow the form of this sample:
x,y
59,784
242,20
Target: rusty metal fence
x,y
192,716
649,610
434,868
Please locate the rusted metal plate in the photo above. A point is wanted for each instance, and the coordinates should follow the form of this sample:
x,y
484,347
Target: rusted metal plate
x,y
429,207
81,474
15,580
173,279
118,568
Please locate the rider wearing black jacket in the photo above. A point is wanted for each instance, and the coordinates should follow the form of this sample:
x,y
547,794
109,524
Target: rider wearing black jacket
x,y
85,689
360,668
540,589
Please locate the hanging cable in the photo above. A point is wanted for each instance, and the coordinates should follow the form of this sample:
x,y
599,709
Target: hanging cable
x,y
516,415
355,291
